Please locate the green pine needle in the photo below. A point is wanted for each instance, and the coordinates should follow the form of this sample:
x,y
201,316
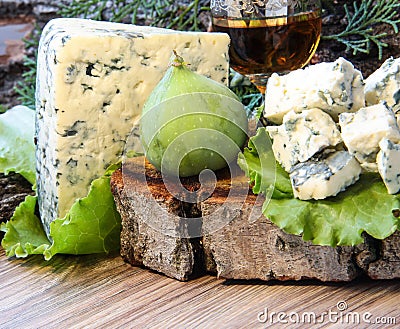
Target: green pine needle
x,y
25,89
359,32
162,13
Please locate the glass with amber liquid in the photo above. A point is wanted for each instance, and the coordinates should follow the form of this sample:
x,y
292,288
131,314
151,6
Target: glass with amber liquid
x,y
268,36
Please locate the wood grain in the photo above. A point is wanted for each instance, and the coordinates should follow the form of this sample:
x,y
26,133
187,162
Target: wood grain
x,y
98,291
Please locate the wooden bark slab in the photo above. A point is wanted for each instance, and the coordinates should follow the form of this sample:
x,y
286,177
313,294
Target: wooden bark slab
x,y
258,249
153,223
224,233
387,266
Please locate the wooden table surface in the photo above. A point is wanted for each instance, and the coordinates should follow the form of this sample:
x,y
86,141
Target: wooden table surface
x,y
98,291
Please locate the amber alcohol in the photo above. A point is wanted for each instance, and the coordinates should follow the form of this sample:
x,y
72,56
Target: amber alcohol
x,y
268,45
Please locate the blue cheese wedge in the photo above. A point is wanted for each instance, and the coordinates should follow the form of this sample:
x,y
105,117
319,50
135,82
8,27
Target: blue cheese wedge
x,y
93,79
322,178
388,160
384,84
335,88
302,135
397,113
362,132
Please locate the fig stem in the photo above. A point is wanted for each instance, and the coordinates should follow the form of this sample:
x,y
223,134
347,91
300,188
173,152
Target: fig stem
x,y
178,61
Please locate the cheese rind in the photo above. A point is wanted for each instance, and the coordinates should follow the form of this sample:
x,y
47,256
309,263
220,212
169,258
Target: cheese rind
x,y
388,160
325,177
384,84
362,132
93,79
302,135
334,87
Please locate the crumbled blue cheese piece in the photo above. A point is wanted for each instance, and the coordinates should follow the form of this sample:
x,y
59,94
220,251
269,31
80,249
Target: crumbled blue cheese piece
x,y
335,88
362,131
302,135
322,178
388,160
93,79
384,84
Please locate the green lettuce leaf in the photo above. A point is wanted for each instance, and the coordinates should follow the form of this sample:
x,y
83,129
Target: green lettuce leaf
x,y
92,226
24,232
17,149
259,164
363,207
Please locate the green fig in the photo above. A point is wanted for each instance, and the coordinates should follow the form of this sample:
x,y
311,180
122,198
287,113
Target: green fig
x,y
190,123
